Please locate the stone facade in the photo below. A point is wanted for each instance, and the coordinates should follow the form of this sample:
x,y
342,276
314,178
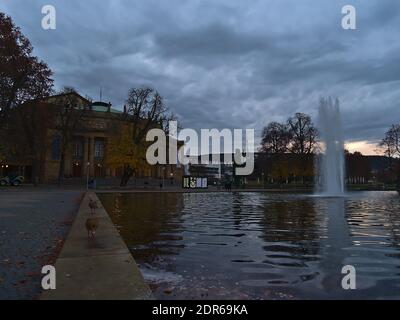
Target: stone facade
x,y
86,154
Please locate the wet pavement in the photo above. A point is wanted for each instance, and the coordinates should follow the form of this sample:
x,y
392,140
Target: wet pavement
x,y
33,227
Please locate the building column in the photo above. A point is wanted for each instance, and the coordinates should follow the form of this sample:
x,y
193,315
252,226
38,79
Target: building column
x,y
91,156
68,163
85,155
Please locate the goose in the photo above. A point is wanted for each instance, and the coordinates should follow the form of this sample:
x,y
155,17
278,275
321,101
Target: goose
x,y
92,205
92,224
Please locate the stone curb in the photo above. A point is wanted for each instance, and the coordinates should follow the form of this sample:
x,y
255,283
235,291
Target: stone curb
x,y
99,269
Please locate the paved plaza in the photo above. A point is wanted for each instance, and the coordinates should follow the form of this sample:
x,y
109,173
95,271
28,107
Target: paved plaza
x,y
33,227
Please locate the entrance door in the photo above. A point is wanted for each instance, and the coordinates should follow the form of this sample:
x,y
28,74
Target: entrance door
x,y
99,171
77,170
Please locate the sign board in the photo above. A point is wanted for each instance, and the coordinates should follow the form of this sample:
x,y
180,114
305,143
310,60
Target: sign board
x,y
189,182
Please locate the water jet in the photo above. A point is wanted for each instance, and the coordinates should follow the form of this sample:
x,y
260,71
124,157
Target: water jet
x,y
330,165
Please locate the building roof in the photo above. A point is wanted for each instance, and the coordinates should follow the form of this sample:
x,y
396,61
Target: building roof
x,y
99,106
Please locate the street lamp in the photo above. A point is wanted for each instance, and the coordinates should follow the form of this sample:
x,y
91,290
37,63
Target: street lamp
x,y
262,178
163,176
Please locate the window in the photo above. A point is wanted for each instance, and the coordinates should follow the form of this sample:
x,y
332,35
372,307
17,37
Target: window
x,y
78,149
99,149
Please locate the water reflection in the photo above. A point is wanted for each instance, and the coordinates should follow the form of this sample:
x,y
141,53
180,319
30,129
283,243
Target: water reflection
x,y
334,244
292,239
147,223
261,245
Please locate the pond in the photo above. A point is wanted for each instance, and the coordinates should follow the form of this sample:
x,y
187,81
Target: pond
x,y
256,245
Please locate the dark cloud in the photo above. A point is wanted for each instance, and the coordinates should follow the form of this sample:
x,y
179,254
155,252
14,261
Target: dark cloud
x,y
228,63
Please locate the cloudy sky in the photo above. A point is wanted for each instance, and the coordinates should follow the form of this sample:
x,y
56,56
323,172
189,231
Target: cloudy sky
x,y
228,63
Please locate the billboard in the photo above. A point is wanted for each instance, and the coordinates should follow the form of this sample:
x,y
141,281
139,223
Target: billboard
x,y
189,182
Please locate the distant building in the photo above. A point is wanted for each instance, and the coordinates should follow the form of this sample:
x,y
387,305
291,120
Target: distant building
x,y
220,170
206,170
87,153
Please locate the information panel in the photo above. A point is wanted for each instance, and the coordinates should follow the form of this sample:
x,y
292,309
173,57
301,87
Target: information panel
x,y
189,182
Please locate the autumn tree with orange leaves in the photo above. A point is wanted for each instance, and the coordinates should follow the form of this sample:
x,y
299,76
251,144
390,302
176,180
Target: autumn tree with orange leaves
x,y
23,78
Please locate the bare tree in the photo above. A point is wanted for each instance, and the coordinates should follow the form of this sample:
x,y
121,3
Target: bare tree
x,y
145,109
69,112
391,145
303,141
275,138
303,134
33,120
391,141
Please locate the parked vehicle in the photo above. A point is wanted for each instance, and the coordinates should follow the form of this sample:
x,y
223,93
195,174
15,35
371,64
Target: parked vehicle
x,y
11,181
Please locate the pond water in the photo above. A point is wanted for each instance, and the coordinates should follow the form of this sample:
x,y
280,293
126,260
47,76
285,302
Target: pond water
x,y
256,245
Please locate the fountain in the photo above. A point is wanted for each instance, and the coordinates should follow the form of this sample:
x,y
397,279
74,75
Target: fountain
x,y
331,166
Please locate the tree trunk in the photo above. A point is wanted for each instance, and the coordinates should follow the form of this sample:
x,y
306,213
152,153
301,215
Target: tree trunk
x,y
128,173
35,172
61,169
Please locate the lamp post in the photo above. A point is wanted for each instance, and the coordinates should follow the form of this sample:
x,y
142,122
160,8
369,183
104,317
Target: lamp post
x,y
262,179
163,177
